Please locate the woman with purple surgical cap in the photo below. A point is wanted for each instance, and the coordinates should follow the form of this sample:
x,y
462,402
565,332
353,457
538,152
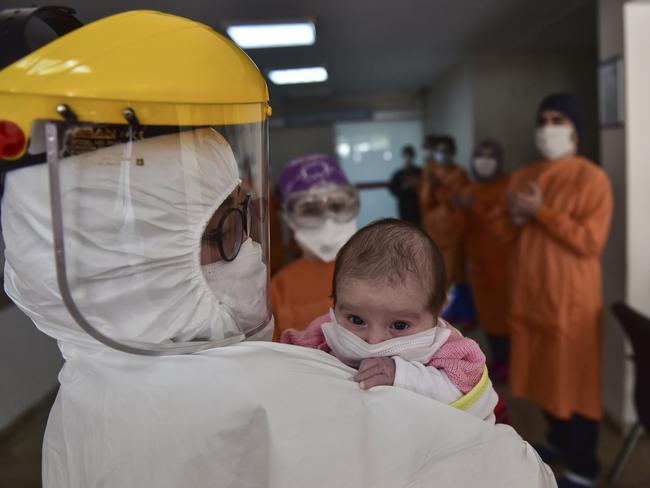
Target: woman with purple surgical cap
x,y
320,206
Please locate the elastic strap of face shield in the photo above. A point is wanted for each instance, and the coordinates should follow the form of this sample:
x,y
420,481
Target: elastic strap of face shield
x,y
16,44
13,29
145,349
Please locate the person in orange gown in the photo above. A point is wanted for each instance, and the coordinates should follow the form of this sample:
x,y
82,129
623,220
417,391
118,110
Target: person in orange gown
x,y
488,256
442,181
558,213
320,207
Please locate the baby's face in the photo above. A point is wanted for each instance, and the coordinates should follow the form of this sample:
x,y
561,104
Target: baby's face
x,y
376,311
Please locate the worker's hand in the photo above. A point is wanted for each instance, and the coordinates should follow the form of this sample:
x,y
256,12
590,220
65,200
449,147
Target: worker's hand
x,y
375,372
524,205
518,219
529,202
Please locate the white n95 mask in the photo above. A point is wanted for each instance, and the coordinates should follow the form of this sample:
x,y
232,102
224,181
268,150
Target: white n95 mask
x,y
351,349
555,141
326,240
241,286
485,167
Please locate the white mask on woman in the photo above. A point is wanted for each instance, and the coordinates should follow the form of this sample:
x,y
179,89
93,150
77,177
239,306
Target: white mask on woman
x,y
485,167
241,286
325,241
555,141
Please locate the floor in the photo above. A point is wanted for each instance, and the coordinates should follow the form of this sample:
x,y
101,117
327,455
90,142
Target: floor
x,y
20,449
529,422
20,452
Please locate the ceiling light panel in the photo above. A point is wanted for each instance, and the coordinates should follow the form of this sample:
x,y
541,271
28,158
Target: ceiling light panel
x,y
255,36
292,76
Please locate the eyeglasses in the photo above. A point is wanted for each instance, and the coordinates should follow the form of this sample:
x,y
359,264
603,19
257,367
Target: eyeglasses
x,y
310,210
230,231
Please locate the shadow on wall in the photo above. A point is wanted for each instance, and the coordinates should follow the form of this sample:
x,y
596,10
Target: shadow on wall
x,y
29,362
495,94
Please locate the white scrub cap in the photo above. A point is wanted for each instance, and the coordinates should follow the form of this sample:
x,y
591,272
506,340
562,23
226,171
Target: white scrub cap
x,y
132,240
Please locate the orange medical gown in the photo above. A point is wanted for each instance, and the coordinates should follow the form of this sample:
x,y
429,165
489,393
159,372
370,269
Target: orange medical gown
x,y
444,223
488,258
300,292
555,287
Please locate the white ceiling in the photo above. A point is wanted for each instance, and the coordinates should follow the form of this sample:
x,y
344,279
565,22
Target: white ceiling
x,y
379,46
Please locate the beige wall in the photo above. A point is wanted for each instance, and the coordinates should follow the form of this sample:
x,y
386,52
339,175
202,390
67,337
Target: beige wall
x,y
615,366
449,109
495,94
29,362
288,143
610,28
508,86
617,369
637,76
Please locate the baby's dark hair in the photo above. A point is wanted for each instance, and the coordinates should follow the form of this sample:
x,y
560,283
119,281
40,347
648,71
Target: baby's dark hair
x,y
392,250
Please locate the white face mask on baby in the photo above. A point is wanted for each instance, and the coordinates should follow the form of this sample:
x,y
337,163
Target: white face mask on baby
x,y
241,286
351,349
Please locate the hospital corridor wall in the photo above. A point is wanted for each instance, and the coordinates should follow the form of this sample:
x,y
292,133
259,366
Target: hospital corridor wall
x,y
494,94
29,363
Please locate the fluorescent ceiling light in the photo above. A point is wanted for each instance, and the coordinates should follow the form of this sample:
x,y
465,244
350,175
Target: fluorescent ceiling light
x,y
293,76
251,36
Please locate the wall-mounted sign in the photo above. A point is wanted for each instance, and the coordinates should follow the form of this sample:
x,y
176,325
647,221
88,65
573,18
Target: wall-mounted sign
x,y
611,96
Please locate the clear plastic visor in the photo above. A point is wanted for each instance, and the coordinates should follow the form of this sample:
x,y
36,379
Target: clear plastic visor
x,y
161,232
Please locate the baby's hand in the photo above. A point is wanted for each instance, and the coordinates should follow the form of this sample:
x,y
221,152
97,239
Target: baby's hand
x,y
375,372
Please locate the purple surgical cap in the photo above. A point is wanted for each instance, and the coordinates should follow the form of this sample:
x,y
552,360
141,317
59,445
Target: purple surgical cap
x,y
308,173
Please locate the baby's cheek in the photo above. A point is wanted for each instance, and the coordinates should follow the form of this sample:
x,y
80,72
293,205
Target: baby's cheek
x,y
355,329
416,329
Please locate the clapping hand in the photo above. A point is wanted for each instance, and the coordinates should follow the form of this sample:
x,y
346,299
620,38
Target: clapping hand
x,y
523,205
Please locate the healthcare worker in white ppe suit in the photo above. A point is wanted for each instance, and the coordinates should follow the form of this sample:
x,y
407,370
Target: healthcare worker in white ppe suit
x,y
140,243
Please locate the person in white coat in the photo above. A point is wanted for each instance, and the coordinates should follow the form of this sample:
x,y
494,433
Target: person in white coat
x,y
142,249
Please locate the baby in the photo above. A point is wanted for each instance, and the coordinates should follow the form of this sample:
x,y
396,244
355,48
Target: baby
x,y
389,286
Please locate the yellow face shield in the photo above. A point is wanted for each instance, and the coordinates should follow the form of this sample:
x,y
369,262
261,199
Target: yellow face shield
x,y
154,133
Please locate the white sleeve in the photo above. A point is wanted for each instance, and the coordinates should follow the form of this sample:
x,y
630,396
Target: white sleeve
x,y
430,382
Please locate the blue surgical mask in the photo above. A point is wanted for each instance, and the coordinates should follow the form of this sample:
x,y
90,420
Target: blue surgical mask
x,y
442,157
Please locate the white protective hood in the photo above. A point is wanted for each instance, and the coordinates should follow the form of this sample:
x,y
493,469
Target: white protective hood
x,y
253,414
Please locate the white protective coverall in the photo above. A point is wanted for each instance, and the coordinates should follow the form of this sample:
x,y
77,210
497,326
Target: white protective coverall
x,y
253,414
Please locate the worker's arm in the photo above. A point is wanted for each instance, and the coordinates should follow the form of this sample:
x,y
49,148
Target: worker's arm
x,y
586,233
427,192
